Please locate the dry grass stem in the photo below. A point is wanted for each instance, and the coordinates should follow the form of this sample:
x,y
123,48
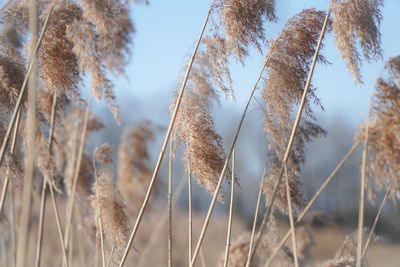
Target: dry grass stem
x,y
31,135
371,232
291,220
228,236
166,140
315,197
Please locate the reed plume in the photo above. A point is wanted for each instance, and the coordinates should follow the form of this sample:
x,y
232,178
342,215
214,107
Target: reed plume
x,y
384,140
347,253
57,64
103,153
133,160
242,24
237,25
114,218
239,249
356,24
194,127
345,261
287,69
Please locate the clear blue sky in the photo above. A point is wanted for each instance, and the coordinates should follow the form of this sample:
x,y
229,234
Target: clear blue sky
x,y
167,30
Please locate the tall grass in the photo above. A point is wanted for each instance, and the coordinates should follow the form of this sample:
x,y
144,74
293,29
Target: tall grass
x,y
106,207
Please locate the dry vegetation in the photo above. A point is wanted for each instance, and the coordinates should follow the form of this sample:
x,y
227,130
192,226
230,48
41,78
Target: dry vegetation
x,y
100,208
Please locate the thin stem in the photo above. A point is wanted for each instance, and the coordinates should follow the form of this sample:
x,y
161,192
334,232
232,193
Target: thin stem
x,y
154,237
44,188
12,149
58,221
77,168
41,220
362,194
253,229
293,134
103,256
31,135
110,257
190,217
228,236
218,187
31,67
166,140
291,221
315,197
170,205
375,223
13,237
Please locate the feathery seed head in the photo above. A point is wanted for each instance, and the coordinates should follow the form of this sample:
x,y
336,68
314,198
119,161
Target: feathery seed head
x,y
356,23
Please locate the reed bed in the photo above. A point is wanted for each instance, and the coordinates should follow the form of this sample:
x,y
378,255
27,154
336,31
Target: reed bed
x,y
107,204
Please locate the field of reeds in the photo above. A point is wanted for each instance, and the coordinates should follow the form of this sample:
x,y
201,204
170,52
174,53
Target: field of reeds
x,y
70,198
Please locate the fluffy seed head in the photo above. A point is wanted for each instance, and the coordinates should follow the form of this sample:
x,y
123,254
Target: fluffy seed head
x,y
384,127
357,23
290,57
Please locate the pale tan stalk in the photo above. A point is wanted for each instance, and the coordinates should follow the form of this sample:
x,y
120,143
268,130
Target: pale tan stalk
x,y
44,188
156,234
362,193
253,229
166,140
228,236
12,149
31,67
41,220
58,221
294,130
291,221
31,135
212,204
103,254
13,235
190,217
110,257
314,198
170,205
371,233
77,168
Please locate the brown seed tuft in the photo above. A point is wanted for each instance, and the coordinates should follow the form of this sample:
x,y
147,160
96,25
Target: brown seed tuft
x,y
357,22
287,68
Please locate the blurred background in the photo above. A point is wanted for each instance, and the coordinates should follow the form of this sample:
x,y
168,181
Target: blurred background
x,y
166,32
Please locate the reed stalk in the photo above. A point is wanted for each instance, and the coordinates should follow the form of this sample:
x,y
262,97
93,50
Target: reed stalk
x,y
228,236
362,193
314,198
166,140
213,201
294,130
371,233
170,204
23,233
291,221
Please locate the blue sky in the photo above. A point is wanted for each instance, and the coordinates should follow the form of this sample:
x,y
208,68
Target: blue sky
x,y
167,30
